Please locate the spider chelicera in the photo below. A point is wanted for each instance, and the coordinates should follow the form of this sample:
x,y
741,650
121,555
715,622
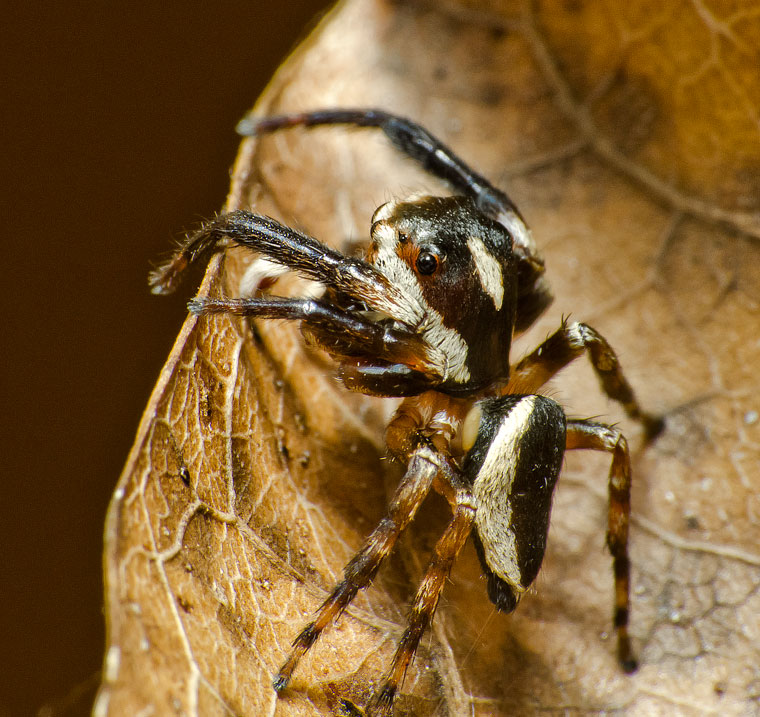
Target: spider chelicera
x,y
429,316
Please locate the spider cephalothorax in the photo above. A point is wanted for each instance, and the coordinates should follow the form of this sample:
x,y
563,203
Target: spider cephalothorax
x,y
461,264
429,315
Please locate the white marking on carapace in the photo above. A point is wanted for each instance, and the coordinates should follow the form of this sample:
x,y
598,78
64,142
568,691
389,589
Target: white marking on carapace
x,y
412,311
449,350
492,489
489,271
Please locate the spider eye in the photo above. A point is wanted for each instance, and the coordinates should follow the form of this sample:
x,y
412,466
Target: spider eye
x,y
427,263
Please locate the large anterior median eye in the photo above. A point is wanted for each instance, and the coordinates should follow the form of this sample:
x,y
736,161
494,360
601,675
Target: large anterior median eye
x,y
427,263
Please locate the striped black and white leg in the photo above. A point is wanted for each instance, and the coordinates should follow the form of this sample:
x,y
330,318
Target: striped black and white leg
x,y
565,345
599,437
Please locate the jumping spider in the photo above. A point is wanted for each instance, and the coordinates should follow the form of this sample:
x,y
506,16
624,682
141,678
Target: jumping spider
x,y
429,315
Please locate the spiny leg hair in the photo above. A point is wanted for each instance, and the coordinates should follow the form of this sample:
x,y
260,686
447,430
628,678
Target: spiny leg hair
x,y
433,156
347,334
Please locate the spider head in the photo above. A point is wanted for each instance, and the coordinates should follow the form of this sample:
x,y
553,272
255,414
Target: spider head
x,y
457,264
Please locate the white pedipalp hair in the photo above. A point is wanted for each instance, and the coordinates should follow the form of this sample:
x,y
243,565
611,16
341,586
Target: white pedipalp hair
x,y
449,350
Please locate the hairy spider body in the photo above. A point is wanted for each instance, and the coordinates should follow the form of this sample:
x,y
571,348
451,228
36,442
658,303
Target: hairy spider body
x,y
429,315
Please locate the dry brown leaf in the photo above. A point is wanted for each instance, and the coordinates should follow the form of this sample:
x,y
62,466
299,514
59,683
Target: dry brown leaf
x,y
627,133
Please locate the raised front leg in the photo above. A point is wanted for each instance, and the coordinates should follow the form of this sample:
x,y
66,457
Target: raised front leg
x,y
408,137
284,246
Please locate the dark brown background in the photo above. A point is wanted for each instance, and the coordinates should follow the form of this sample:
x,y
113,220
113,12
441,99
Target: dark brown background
x,y
117,134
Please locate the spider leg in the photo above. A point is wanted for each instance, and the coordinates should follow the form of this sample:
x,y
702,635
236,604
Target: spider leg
x,y
292,249
425,602
277,242
598,437
383,379
415,485
374,359
341,333
565,345
408,137
418,144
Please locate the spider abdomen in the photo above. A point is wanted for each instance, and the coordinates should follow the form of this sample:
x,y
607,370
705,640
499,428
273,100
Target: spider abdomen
x,y
513,467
